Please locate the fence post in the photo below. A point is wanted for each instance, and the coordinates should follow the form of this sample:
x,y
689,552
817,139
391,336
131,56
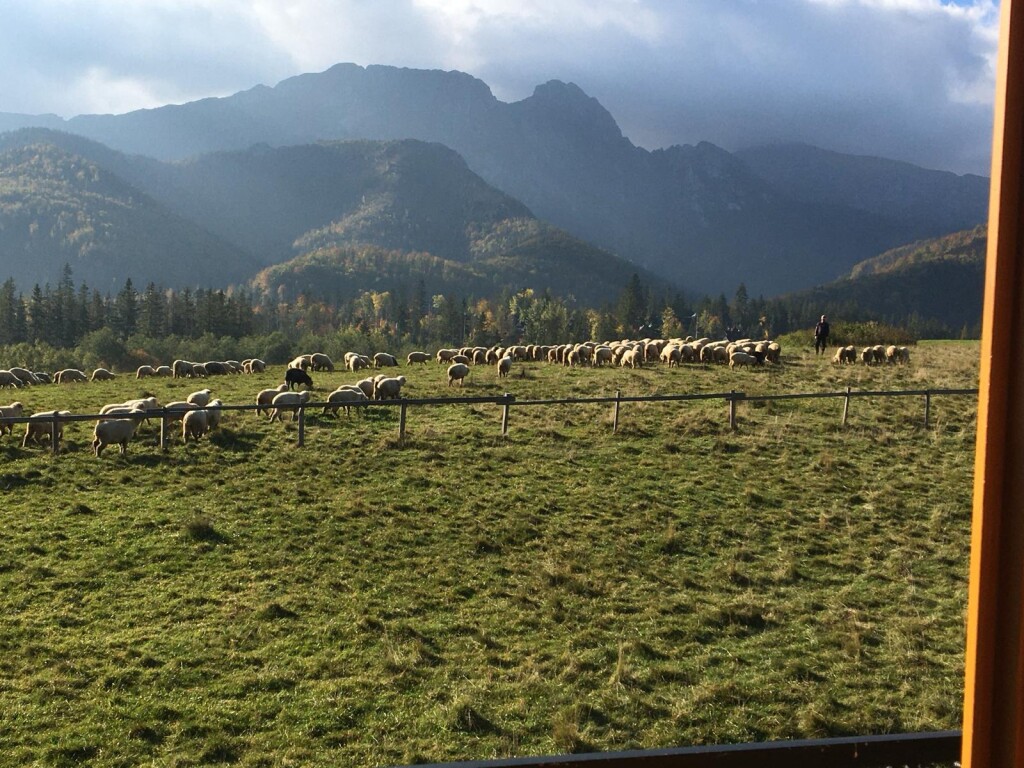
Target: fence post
x,y
927,407
302,426
55,433
504,413
732,410
846,406
615,412
401,421
163,431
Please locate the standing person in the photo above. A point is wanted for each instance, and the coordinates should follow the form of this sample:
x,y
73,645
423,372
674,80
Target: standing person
x,y
821,336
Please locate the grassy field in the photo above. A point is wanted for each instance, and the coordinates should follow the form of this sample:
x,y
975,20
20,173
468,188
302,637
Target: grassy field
x,y
361,601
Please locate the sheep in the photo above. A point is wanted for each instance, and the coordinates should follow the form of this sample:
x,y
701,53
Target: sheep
x,y
867,355
7,412
463,359
214,412
302,362
458,372
69,375
286,401
234,366
342,397
8,379
904,356
320,362
671,355
739,358
266,396
602,354
446,355
366,387
199,371
417,357
384,360
356,362
43,376
388,388
504,366
115,432
102,374
41,427
175,411
144,370
181,369
254,366
216,368
879,353
195,424
631,357
165,371
200,398
26,376
295,376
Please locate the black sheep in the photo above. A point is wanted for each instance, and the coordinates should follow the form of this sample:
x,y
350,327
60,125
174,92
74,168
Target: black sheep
x,y
295,376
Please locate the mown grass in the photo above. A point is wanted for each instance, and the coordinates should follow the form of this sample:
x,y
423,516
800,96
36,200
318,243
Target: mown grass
x,y
365,601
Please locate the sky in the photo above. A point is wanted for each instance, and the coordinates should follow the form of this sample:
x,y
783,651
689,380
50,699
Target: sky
x,y
909,80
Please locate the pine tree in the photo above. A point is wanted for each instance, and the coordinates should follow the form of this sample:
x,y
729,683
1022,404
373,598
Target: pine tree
x,y
126,311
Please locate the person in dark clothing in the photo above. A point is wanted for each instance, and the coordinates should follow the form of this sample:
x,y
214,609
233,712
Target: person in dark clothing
x,y
821,336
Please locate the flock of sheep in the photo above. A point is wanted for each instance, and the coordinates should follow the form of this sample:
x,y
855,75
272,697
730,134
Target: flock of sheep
x,y
874,355
200,412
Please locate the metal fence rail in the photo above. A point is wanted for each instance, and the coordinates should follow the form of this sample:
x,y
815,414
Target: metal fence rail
x,y
506,401
905,749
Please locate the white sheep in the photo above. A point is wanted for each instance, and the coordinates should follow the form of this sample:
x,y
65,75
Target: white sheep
x,y
165,371
457,372
12,411
200,398
739,358
288,401
102,374
177,409
504,366
40,427
632,358
388,388
214,412
117,432
195,424
417,357
321,362
8,379
342,397
26,376
366,386
446,355
69,375
266,396
144,370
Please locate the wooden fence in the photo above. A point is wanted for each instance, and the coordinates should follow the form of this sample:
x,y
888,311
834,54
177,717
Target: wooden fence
x,y
507,401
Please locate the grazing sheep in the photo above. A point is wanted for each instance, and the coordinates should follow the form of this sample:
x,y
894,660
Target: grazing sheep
x,y
26,376
214,412
384,360
69,375
354,362
200,398
632,358
117,432
199,371
417,357
8,379
602,354
217,368
181,369
671,355
102,374
904,356
7,412
867,355
321,362
144,370
43,376
266,396
366,387
879,353
165,371
343,397
388,388
463,359
195,424
457,372
446,355
504,366
295,376
741,358
176,410
288,401
41,427
302,362
254,366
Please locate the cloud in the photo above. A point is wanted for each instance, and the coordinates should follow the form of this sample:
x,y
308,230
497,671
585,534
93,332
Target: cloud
x,y
911,79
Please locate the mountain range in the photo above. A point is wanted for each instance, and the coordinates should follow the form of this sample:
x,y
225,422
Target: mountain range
x,y
265,176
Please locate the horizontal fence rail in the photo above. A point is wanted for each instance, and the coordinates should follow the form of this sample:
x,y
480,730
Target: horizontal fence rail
x,y
905,749
507,400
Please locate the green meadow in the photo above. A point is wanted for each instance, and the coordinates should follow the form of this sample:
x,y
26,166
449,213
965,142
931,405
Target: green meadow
x,y
368,601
